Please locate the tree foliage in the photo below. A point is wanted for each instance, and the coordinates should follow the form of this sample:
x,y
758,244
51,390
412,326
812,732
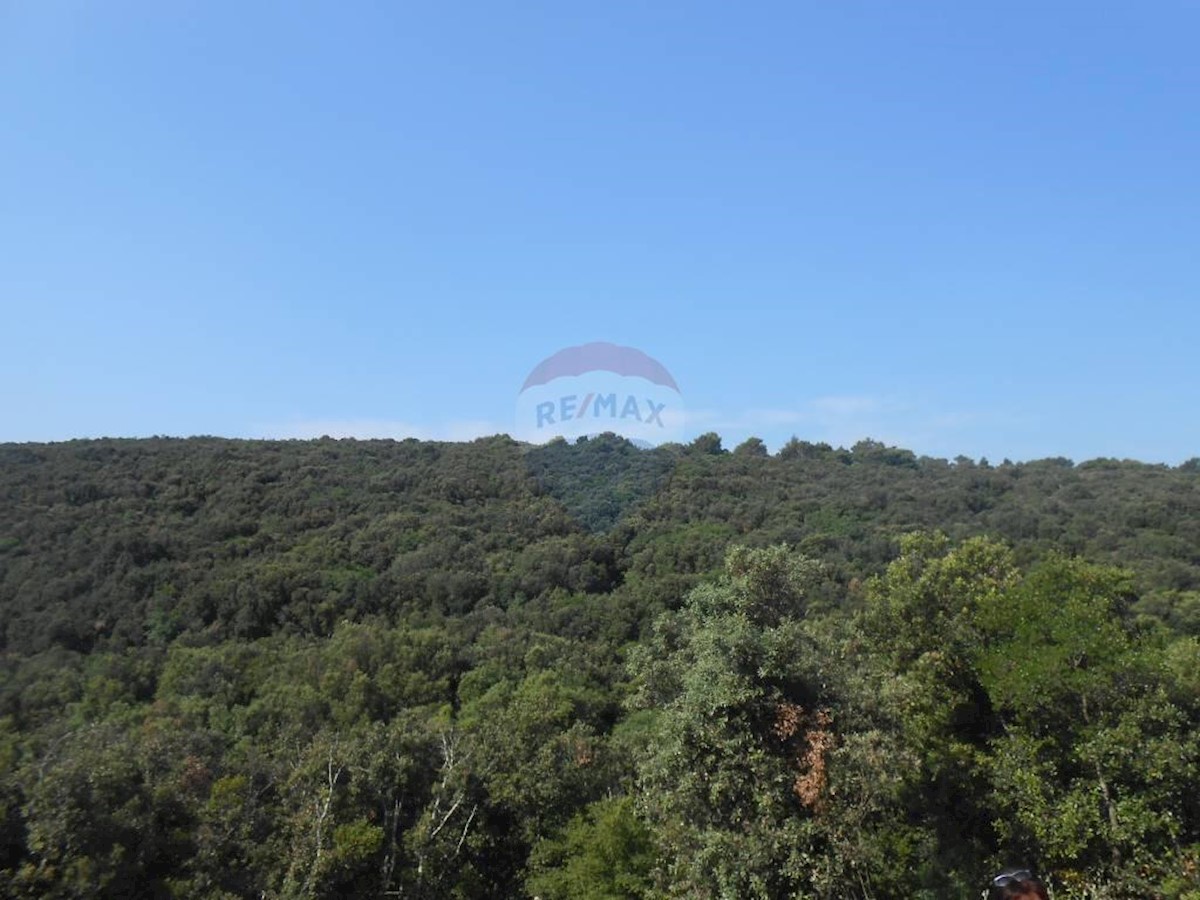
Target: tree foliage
x,y
359,669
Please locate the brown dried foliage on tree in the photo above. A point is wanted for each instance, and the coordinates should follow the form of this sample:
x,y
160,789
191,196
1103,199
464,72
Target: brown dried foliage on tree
x,y
813,738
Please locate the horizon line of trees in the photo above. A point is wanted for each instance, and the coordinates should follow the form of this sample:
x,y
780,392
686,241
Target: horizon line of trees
x,y
338,668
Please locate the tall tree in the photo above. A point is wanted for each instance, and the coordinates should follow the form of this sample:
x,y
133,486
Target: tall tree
x,y
720,786
1095,762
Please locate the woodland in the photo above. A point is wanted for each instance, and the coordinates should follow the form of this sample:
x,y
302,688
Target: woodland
x,y
340,668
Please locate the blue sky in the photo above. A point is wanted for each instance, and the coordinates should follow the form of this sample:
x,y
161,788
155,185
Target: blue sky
x,y
962,228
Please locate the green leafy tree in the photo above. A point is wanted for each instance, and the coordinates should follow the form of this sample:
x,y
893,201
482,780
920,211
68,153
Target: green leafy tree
x,y
914,648
89,818
752,447
722,785
1095,762
604,853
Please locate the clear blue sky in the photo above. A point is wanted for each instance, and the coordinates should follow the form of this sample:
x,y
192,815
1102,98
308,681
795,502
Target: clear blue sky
x,y
960,227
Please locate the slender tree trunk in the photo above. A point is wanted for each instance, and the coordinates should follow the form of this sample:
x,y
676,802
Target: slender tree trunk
x,y
1109,808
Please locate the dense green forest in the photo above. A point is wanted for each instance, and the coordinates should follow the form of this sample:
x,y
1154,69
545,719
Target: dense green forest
x,y
342,668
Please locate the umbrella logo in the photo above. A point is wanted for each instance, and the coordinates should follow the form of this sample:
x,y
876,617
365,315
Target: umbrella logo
x,y
599,387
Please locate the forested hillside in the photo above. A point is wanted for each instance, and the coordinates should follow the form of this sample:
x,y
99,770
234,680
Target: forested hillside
x,y
374,668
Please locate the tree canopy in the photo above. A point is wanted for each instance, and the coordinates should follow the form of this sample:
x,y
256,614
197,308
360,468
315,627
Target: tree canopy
x,y
371,668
